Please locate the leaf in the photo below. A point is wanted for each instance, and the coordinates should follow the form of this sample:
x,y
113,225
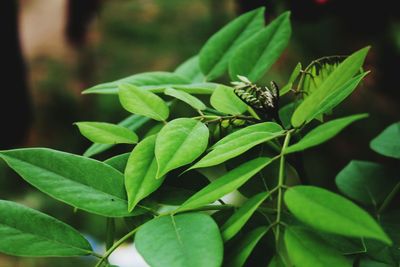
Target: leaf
x,y
295,73
276,262
180,142
132,123
235,223
387,143
180,241
364,262
323,133
141,171
332,213
197,88
118,162
224,99
143,102
225,184
215,54
156,78
29,233
107,133
190,69
255,56
187,98
335,83
307,250
245,246
81,182
239,142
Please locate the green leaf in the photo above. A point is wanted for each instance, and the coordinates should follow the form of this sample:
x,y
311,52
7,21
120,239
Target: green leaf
x,y
307,250
215,54
224,99
225,184
180,241
180,142
245,246
387,143
133,123
30,233
141,171
276,262
367,182
190,69
239,142
332,213
295,73
157,78
255,56
187,98
323,132
339,80
81,182
235,223
107,133
143,102
118,162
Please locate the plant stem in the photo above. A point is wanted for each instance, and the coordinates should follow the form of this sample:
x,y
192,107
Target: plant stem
x,y
110,231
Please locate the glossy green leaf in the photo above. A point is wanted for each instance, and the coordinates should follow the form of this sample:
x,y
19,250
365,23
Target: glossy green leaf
x,y
245,246
180,142
215,54
255,56
141,171
142,102
107,133
295,73
197,88
81,182
180,241
118,162
239,142
225,184
190,69
306,249
30,233
332,213
387,143
156,78
323,133
224,99
339,80
187,98
235,223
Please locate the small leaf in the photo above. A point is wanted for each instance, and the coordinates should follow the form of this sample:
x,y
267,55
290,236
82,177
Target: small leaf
x,y
225,184
332,213
307,250
118,162
107,133
323,133
141,171
191,239
143,102
215,54
190,69
387,143
179,143
255,56
224,99
235,223
187,98
295,73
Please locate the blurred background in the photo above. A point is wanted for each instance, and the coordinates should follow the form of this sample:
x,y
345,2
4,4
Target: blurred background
x,y
52,50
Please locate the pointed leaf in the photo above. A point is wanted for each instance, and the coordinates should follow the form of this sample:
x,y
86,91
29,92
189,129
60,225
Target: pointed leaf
x,y
187,98
118,162
387,143
224,99
295,73
190,69
107,133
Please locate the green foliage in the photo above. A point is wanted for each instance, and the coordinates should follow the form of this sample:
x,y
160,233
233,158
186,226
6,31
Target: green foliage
x,y
224,99
106,133
387,143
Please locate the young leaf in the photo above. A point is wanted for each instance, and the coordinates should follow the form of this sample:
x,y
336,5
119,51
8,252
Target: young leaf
x,y
285,89
323,133
337,81
241,216
307,250
141,171
332,213
187,98
224,99
29,233
387,143
255,56
191,239
107,133
190,69
179,143
118,162
81,182
225,184
143,102
215,54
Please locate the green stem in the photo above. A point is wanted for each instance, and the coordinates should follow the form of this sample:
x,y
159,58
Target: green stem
x,y
110,231
389,198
